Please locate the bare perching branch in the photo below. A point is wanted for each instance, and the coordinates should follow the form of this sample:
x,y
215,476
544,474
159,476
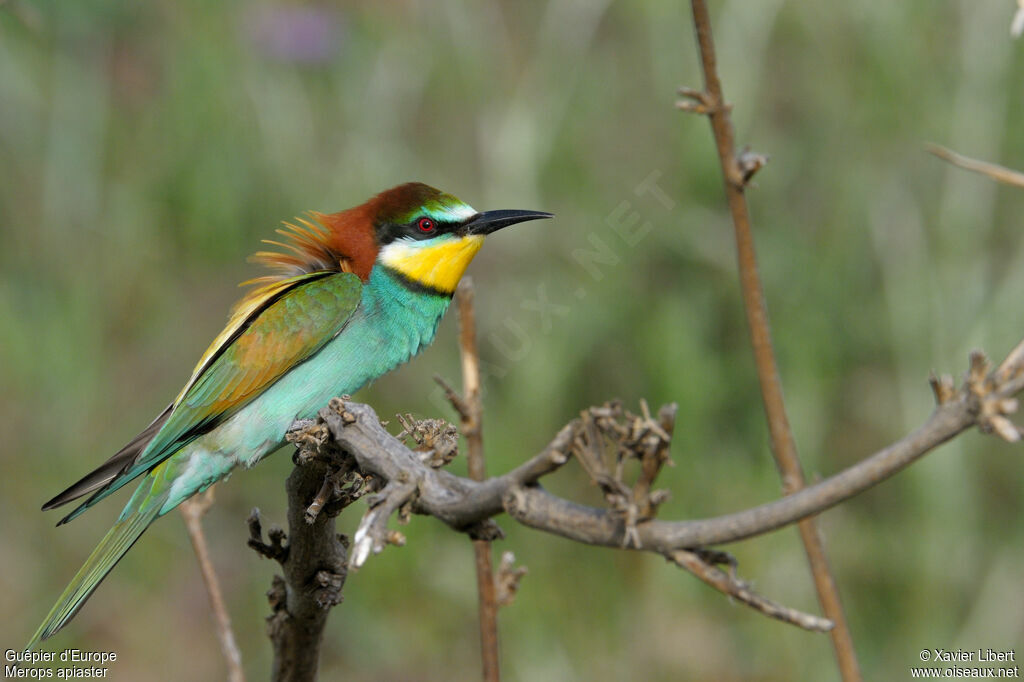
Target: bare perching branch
x,y
192,510
603,439
312,556
737,171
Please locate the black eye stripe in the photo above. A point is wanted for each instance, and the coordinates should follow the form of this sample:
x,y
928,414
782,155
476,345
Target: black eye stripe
x,y
389,232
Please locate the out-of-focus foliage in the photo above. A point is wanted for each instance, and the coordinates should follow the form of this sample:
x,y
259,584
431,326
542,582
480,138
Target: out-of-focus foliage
x,y
145,148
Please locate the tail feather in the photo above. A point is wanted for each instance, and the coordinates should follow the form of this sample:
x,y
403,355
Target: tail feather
x,y
112,547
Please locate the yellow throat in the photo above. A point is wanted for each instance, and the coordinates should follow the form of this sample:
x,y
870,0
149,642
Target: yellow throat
x,y
438,266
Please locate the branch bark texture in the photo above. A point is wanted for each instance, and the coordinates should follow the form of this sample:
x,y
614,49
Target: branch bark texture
x,y
314,565
314,574
464,504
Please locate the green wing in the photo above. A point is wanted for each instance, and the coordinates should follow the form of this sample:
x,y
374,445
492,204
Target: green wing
x,y
297,317
287,331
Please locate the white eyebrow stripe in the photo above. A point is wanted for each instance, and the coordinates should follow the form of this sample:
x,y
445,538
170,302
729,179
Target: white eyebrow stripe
x,y
456,212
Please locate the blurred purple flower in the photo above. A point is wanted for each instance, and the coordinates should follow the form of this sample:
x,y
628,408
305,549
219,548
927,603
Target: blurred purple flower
x,y
290,33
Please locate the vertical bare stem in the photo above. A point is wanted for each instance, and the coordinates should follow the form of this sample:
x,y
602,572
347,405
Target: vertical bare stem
x,y
472,429
783,445
192,510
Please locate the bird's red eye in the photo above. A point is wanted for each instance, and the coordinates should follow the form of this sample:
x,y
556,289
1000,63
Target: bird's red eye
x,y
426,225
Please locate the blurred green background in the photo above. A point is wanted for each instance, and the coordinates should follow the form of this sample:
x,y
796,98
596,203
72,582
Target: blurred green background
x,y
146,148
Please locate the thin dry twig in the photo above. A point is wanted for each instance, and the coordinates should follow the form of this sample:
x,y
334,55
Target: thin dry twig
x,y
783,444
737,589
453,397
998,173
192,510
472,429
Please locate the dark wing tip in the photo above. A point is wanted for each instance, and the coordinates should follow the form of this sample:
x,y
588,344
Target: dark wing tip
x,y
109,470
53,503
90,482
62,498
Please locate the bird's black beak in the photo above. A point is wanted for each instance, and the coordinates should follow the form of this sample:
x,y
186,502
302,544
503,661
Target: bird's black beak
x,y
490,221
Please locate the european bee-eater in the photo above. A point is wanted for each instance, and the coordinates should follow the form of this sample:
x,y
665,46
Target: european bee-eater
x,y
354,295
